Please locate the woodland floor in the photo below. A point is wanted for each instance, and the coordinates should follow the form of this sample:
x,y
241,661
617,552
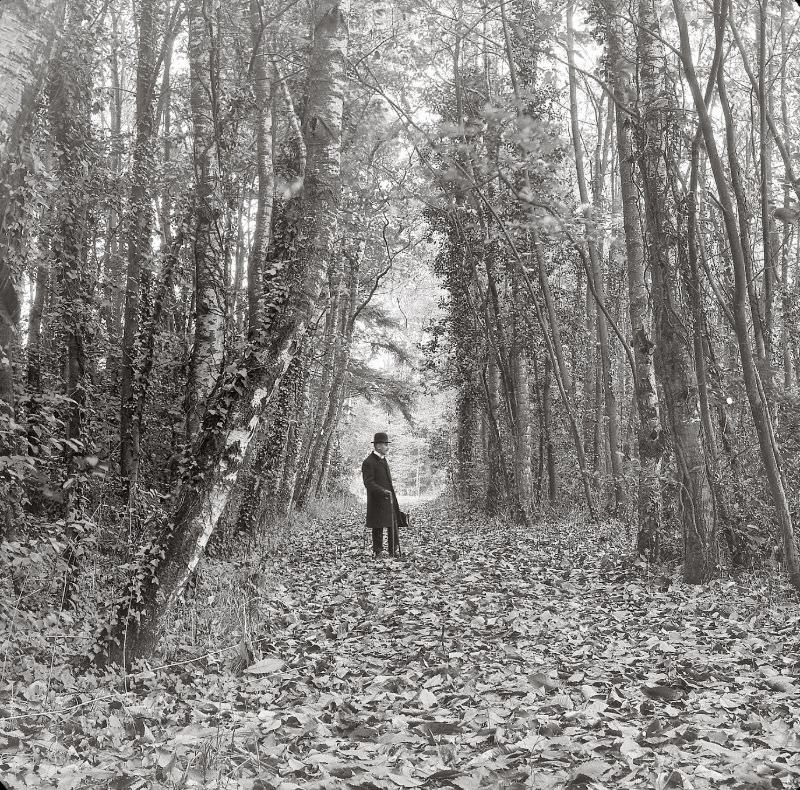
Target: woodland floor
x,y
488,657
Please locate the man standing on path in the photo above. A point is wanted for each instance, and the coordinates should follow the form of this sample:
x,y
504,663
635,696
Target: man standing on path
x,y
383,510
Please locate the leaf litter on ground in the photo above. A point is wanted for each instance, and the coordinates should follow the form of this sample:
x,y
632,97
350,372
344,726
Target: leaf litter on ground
x,y
487,657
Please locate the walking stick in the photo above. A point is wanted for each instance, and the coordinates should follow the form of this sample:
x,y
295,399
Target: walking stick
x,y
395,536
393,541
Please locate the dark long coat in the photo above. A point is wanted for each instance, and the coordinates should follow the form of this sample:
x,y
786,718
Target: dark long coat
x,y
377,480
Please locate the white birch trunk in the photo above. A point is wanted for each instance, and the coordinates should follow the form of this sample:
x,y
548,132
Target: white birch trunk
x,y
209,330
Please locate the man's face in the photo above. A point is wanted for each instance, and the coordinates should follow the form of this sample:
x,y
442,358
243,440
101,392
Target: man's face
x,y
382,447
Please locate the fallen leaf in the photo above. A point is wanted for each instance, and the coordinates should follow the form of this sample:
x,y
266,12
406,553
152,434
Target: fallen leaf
x,y
405,781
266,666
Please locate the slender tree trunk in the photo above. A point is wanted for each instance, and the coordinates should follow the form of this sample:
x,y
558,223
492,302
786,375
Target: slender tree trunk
x,y
547,424
786,291
314,435
263,88
164,118
205,363
332,442
11,515
692,254
237,316
241,515
70,96
610,410
769,233
28,34
521,400
299,405
555,352
70,93
495,489
650,440
150,331
671,355
329,417
34,349
743,215
467,444
522,427
139,232
113,271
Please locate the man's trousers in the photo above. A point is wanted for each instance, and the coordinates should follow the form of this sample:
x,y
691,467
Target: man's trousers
x,y
392,539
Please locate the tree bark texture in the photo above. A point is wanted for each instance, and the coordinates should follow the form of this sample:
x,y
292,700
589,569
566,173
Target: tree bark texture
x,y
70,92
139,232
672,358
205,364
341,345
28,34
650,441
609,397
263,89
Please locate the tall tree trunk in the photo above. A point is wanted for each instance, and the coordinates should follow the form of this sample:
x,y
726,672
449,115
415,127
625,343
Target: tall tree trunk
x,y
9,487
547,425
113,270
221,447
70,94
755,391
503,408
330,343
672,359
34,348
70,98
769,233
263,88
322,484
495,488
522,425
329,417
650,441
743,215
146,341
241,515
691,255
298,406
205,363
519,398
467,425
164,120
139,231
786,290
610,402
253,508
28,33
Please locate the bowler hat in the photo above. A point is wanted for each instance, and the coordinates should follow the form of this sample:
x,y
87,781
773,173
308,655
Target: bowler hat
x,y
381,438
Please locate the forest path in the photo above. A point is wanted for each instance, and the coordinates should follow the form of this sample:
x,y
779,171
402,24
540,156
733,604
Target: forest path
x,y
491,658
